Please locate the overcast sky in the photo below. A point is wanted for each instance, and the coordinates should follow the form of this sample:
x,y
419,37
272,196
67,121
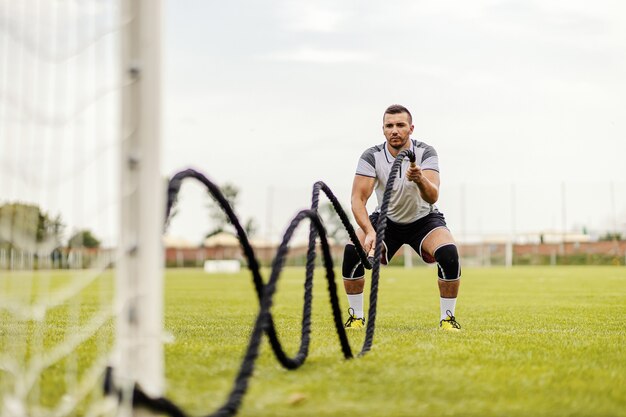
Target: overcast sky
x,y
517,97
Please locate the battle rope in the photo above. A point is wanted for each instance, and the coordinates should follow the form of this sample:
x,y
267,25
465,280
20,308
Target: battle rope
x,y
265,292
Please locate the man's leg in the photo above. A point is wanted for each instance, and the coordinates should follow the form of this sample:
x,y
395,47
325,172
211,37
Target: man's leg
x,y
353,279
440,244
354,273
354,282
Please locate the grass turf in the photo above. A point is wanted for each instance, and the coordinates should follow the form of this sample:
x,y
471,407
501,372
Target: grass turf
x,y
540,341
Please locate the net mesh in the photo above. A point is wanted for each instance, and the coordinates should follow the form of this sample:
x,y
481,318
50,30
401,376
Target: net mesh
x,y
59,134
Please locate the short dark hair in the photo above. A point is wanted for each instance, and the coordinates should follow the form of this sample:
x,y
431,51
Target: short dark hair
x,y
397,109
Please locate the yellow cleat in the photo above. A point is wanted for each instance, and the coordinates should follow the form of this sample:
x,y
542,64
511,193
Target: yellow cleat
x,y
449,323
354,322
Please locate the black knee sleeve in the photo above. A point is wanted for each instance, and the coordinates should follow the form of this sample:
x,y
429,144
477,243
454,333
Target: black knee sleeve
x,y
352,267
447,258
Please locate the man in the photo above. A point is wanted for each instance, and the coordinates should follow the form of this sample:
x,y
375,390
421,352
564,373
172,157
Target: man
x,y
412,217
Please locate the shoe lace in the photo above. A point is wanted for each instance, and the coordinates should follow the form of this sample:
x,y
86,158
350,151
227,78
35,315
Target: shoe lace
x,y
451,320
351,317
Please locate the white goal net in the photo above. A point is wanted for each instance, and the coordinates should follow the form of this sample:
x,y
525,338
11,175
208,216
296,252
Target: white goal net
x,y
81,205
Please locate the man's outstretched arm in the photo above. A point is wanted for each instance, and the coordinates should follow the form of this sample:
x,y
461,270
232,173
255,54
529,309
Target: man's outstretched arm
x,y
427,181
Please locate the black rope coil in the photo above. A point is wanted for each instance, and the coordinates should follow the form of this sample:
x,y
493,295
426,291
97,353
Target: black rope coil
x,y
264,322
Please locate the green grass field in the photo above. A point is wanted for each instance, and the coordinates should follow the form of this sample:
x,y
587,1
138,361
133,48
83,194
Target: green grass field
x,y
536,341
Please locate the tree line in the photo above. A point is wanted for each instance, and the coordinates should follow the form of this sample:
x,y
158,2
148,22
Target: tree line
x,y
28,227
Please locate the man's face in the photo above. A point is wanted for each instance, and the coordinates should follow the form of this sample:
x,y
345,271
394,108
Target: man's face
x,y
397,129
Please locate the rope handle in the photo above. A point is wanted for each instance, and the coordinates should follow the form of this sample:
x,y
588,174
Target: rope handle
x,y
411,156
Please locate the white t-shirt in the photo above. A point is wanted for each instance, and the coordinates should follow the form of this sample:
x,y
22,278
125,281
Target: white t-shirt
x,y
406,204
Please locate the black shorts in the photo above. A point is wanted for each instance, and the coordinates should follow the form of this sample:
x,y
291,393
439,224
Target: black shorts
x,y
412,234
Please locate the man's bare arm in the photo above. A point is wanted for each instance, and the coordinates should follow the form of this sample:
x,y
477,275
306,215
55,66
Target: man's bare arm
x,y
427,181
362,189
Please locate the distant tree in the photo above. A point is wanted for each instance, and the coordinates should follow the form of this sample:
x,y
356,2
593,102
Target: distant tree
x,y
334,228
83,239
611,236
220,220
26,226
251,227
216,212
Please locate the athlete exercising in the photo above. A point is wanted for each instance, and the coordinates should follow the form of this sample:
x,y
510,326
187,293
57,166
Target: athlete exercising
x,y
412,217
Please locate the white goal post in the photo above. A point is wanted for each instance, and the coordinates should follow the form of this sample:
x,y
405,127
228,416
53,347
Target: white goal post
x,y
140,268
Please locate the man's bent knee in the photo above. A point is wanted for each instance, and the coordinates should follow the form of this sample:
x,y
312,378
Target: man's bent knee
x,y
352,269
447,257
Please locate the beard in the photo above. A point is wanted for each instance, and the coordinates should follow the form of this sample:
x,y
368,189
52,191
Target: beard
x,y
397,145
